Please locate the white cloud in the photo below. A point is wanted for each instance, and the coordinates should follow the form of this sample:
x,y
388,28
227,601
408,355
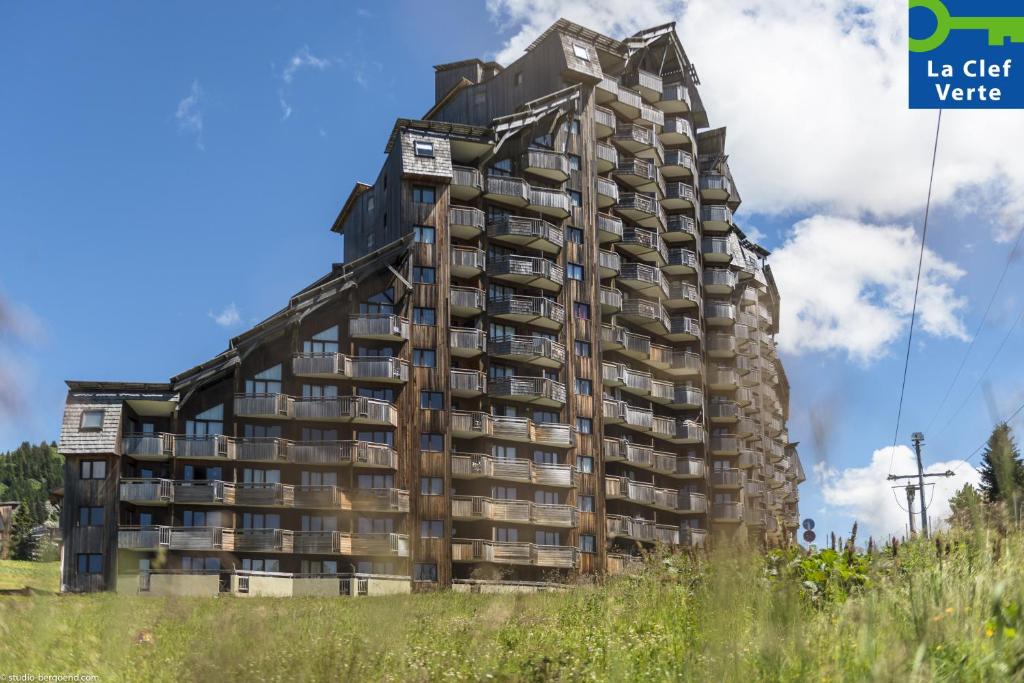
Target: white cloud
x,y
849,286
228,317
754,234
20,330
815,103
864,495
189,115
302,59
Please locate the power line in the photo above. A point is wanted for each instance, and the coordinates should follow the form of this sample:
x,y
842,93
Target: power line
x,y
984,319
982,445
917,287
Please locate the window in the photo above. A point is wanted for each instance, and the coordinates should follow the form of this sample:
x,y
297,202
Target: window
x,y
547,141
90,516
424,572
424,194
586,503
424,316
207,423
574,162
266,382
319,523
424,275
261,431
545,458
545,417
370,204
503,453
256,475
366,482
90,563
424,234
582,348
574,271
261,520
587,544
322,342
574,127
574,235
517,79
505,535
546,498
260,565
423,148
93,469
581,52
584,387
503,492
381,394
575,197
424,358
548,538
193,518
382,302
384,437
92,420
432,528
319,391
432,400
581,310
431,486
199,564
431,442
585,463
584,425
501,168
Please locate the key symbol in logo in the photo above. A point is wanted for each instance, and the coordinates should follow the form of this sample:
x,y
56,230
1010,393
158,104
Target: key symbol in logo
x,y
999,28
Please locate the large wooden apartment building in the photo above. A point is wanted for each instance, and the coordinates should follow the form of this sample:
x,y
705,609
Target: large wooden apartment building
x,y
549,347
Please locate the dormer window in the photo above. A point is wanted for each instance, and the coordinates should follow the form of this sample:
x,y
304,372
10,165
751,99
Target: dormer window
x,y
92,421
581,52
423,148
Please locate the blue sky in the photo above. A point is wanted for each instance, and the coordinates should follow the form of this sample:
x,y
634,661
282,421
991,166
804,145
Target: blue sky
x,y
163,166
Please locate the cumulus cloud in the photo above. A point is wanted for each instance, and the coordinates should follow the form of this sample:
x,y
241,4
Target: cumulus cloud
x,y
848,286
863,494
302,59
228,317
815,103
189,115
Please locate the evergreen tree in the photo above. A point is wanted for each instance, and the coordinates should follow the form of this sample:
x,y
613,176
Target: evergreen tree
x,y
1002,473
28,474
965,505
22,543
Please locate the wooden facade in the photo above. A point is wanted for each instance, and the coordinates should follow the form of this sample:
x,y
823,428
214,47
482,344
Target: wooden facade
x,y
549,348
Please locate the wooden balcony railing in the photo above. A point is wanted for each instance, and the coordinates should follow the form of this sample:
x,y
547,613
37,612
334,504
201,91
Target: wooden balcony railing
x,y
519,511
479,465
474,550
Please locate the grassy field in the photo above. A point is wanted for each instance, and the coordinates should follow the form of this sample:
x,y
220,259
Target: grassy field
x,y
40,576
952,613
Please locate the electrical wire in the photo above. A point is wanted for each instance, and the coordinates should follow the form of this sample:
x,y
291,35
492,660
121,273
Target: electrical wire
x,y
917,288
982,445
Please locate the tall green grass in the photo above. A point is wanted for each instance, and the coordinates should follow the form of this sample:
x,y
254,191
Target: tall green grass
x,y
946,612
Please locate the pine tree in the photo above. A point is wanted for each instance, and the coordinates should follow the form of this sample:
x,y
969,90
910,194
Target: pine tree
x,y
965,505
22,543
1002,473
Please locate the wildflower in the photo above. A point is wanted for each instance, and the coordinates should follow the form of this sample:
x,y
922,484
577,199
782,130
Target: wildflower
x,y
989,631
949,610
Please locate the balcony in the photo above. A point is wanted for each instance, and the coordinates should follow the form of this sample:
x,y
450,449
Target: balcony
x,y
354,409
263,405
680,229
203,492
481,466
723,378
638,529
621,488
719,281
676,131
725,444
643,280
604,122
532,349
715,218
532,271
678,165
686,397
727,512
513,191
679,195
340,365
357,453
468,383
754,489
722,410
675,362
381,326
611,300
640,174
627,103
716,187
147,491
608,263
474,550
362,500
729,479
550,202
716,250
719,313
634,138
546,164
607,193
258,449
150,446
677,431
609,228
527,233
607,157
645,245
143,537
650,315
206,447
264,495
466,302
465,223
516,511
467,183
675,98
636,382
467,342
682,295
467,262
607,90
344,543
681,261
650,115
683,328
642,209
535,390
647,84
532,310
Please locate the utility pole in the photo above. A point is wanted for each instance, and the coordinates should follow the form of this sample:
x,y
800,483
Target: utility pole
x,y
918,439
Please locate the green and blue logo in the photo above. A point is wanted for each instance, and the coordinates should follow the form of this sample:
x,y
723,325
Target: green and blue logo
x,y
966,54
